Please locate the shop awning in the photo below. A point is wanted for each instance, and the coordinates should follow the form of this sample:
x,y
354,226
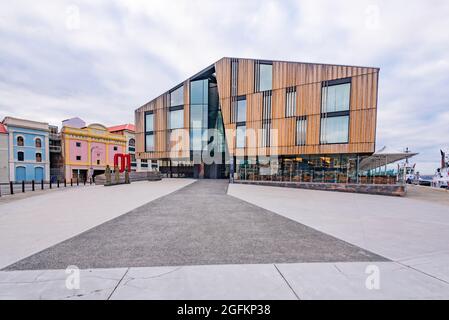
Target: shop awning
x,y
383,157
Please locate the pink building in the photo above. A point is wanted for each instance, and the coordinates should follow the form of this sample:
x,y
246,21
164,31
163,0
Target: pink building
x,y
88,150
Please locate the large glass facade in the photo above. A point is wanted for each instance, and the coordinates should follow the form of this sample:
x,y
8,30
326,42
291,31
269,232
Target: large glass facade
x,y
339,168
198,114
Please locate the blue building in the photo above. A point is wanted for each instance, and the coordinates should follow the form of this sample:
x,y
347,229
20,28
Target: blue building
x,y
28,150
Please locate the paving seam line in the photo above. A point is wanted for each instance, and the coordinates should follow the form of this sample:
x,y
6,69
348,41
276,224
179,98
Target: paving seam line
x,y
288,284
118,283
420,271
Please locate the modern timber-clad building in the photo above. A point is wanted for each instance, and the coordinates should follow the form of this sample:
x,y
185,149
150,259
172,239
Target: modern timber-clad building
x,y
263,120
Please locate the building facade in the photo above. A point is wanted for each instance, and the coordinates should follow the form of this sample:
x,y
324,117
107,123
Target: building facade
x,y
4,165
56,157
88,150
259,119
28,150
129,132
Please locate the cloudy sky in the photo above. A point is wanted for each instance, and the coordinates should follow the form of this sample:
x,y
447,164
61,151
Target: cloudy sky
x,y
100,60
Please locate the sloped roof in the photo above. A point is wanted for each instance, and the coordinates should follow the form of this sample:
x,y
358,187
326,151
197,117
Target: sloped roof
x,y
384,156
121,127
3,128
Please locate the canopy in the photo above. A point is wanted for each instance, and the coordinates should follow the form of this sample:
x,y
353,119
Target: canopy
x,y
383,157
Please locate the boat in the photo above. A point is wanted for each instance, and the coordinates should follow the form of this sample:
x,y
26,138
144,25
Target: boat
x,y
441,177
406,171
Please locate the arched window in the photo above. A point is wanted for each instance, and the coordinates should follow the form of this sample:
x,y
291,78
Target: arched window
x,y
20,156
132,142
38,157
20,141
38,143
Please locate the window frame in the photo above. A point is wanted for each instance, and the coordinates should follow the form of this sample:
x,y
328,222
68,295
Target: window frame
x,y
336,114
22,139
22,153
257,74
40,154
291,91
148,132
238,125
239,99
170,95
301,118
36,144
175,109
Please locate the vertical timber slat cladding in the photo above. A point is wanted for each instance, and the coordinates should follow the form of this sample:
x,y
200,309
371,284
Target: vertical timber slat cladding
x,y
307,78
245,81
223,71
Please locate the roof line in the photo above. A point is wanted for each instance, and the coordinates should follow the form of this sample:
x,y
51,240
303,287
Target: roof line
x,y
226,57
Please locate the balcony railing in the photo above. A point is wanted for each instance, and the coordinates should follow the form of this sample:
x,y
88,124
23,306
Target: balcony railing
x,y
55,149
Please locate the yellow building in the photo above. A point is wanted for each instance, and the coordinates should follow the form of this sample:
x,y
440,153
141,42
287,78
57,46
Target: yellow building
x,y
89,149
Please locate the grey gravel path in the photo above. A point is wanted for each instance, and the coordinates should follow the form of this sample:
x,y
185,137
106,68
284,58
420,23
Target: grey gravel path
x,y
197,225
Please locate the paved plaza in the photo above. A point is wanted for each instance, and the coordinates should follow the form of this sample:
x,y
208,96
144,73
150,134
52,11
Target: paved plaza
x,y
186,239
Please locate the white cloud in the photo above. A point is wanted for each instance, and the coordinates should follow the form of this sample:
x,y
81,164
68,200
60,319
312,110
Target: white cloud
x,y
124,53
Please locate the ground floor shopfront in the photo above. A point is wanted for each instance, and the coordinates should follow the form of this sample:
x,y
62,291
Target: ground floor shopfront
x,y
331,168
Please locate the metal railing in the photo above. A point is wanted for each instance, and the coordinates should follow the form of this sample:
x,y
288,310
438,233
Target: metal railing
x,y
31,186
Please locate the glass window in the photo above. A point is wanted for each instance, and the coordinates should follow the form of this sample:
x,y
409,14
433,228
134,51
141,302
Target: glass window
x,y
335,98
241,110
149,122
78,158
38,157
132,142
78,144
197,135
20,156
241,136
198,92
334,130
38,143
265,77
115,148
301,130
177,97
290,102
149,143
198,116
20,141
177,119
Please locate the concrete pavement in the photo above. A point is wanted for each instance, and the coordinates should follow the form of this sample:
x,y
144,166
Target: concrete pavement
x,y
196,225
30,225
346,280
411,231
